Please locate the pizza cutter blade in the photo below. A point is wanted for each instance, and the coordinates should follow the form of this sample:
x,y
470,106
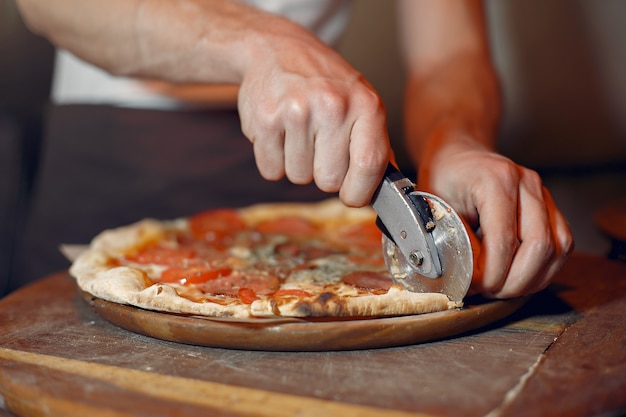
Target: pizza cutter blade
x,y
425,243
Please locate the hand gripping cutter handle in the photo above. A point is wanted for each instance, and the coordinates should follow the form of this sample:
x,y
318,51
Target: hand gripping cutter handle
x,y
425,243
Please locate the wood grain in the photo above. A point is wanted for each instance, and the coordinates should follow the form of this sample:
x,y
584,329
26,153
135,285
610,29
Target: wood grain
x,y
56,352
61,325
584,371
163,394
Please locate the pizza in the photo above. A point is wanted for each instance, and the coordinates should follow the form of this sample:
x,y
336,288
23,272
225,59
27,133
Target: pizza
x,y
308,260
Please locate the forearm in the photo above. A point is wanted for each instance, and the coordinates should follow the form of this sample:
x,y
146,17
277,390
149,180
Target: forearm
x,y
456,105
452,93
179,41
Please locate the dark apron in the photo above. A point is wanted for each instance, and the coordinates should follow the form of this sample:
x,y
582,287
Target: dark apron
x,y
104,167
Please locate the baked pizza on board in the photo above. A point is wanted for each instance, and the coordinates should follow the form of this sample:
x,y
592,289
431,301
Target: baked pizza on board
x,y
263,261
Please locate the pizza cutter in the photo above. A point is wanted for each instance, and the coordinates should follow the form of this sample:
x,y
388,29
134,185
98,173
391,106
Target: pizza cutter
x,y
425,243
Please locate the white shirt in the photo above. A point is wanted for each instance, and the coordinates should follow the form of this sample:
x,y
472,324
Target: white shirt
x,y
76,81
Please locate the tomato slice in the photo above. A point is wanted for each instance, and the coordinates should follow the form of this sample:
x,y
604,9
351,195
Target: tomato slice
x,y
259,283
287,225
291,292
363,235
189,276
216,225
368,280
247,295
161,255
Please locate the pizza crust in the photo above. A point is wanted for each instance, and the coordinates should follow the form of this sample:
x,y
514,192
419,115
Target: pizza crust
x,y
96,275
132,286
396,302
328,213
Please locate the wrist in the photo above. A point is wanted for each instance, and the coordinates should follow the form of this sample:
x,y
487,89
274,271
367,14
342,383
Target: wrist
x,y
448,136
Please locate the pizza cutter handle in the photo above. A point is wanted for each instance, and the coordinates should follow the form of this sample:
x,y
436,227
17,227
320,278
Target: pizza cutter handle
x,y
405,217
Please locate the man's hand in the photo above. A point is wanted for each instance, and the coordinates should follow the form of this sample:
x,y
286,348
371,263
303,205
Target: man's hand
x,y
312,117
453,108
523,238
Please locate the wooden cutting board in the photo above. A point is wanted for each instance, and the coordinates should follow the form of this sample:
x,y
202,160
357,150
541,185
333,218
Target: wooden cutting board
x,y
561,353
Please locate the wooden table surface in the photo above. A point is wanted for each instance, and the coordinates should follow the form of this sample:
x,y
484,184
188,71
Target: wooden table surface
x,y
563,353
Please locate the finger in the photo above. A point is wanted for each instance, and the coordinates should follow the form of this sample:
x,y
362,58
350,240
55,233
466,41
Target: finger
x,y
332,145
299,144
331,161
270,157
537,244
499,237
477,275
369,154
260,124
299,158
563,240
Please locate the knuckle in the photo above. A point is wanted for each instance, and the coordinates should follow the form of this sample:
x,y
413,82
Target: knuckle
x,y
508,245
508,292
334,104
353,200
533,180
328,182
299,177
506,171
369,99
544,247
262,122
507,286
271,173
492,285
267,126
370,163
337,101
296,110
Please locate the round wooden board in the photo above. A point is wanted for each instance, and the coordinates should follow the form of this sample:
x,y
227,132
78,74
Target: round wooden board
x,y
305,335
